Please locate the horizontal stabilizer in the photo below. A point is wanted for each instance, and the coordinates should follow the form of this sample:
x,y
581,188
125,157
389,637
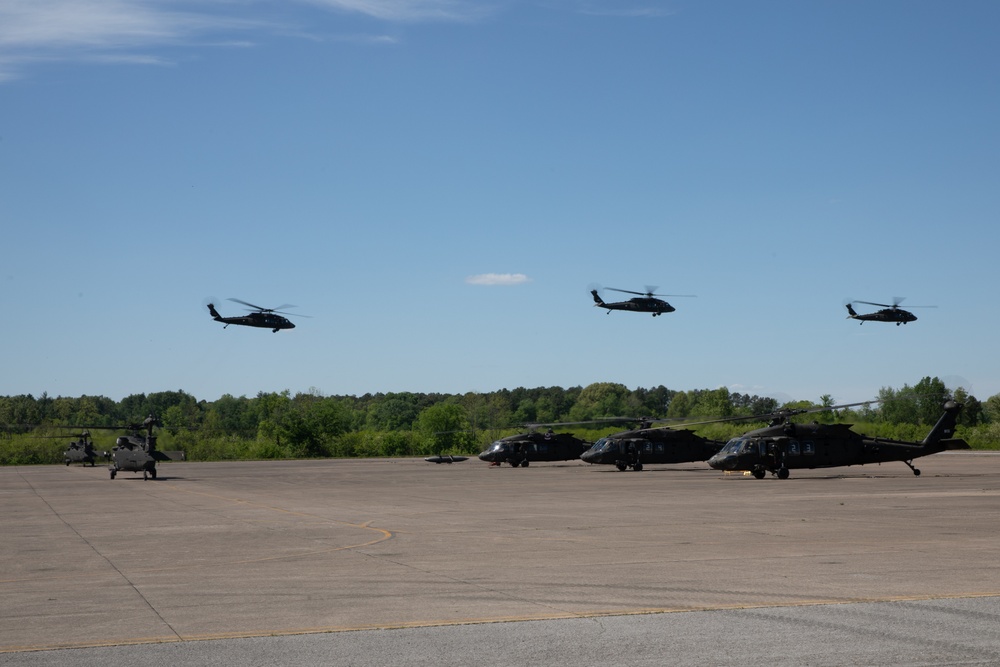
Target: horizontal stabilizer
x,y
955,443
169,455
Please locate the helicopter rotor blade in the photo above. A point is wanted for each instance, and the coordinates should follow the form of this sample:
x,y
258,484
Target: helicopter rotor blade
x,y
881,305
784,413
648,294
628,291
245,303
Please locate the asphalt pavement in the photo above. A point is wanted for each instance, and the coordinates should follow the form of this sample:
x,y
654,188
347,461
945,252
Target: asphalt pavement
x,y
398,561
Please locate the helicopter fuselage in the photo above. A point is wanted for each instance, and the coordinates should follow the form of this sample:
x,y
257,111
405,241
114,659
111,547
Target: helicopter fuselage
x,y
264,320
633,449
521,449
80,452
783,447
897,315
640,304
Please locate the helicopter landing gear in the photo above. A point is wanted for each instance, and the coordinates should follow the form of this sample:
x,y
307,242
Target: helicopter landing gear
x,y
916,471
758,473
621,465
275,330
113,473
782,473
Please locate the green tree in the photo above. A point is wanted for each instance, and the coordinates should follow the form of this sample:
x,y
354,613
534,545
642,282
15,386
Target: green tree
x,y
393,413
713,403
443,428
930,395
991,409
600,399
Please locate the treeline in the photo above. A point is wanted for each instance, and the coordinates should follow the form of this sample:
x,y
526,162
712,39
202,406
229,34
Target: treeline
x,y
309,425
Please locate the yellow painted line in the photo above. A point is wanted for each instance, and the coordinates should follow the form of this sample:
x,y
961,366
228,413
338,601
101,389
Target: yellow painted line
x,y
287,632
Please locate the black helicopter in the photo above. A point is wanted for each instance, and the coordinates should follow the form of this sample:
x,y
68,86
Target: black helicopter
x,y
81,450
645,302
267,318
648,444
521,449
784,445
889,313
136,452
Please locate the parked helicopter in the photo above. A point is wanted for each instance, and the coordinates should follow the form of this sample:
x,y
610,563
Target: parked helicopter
x,y
267,318
889,313
784,445
136,452
81,450
645,302
521,449
632,449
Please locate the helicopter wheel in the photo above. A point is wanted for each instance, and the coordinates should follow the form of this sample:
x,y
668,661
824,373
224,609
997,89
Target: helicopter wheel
x,y
514,464
622,467
152,473
758,473
637,467
113,473
524,463
783,473
916,471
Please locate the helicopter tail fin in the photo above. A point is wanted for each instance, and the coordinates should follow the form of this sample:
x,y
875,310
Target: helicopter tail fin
x,y
850,311
213,312
598,301
945,427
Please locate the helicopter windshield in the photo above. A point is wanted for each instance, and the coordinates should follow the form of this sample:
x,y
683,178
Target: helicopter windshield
x,y
497,446
602,445
736,446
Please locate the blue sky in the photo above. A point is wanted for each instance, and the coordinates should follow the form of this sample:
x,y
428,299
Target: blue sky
x,y
367,160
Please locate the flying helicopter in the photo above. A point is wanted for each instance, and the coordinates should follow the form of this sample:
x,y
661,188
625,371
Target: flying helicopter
x,y
644,302
783,446
649,444
267,318
889,313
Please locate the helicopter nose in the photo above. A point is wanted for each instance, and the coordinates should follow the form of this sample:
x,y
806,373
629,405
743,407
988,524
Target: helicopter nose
x,y
485,456
719,462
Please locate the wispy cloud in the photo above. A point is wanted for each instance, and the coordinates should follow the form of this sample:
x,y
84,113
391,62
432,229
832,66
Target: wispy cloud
x,y
33,31
413,10
498,279
45,31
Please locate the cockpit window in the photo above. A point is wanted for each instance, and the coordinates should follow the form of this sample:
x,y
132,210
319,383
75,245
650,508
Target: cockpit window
x,y
732,447
602,445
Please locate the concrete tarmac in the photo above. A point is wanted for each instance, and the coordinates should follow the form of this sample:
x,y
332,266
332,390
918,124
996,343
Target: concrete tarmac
x,y
235,551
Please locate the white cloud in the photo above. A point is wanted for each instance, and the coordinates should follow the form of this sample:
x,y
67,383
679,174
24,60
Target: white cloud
x,y
412,10
37,31
498,279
